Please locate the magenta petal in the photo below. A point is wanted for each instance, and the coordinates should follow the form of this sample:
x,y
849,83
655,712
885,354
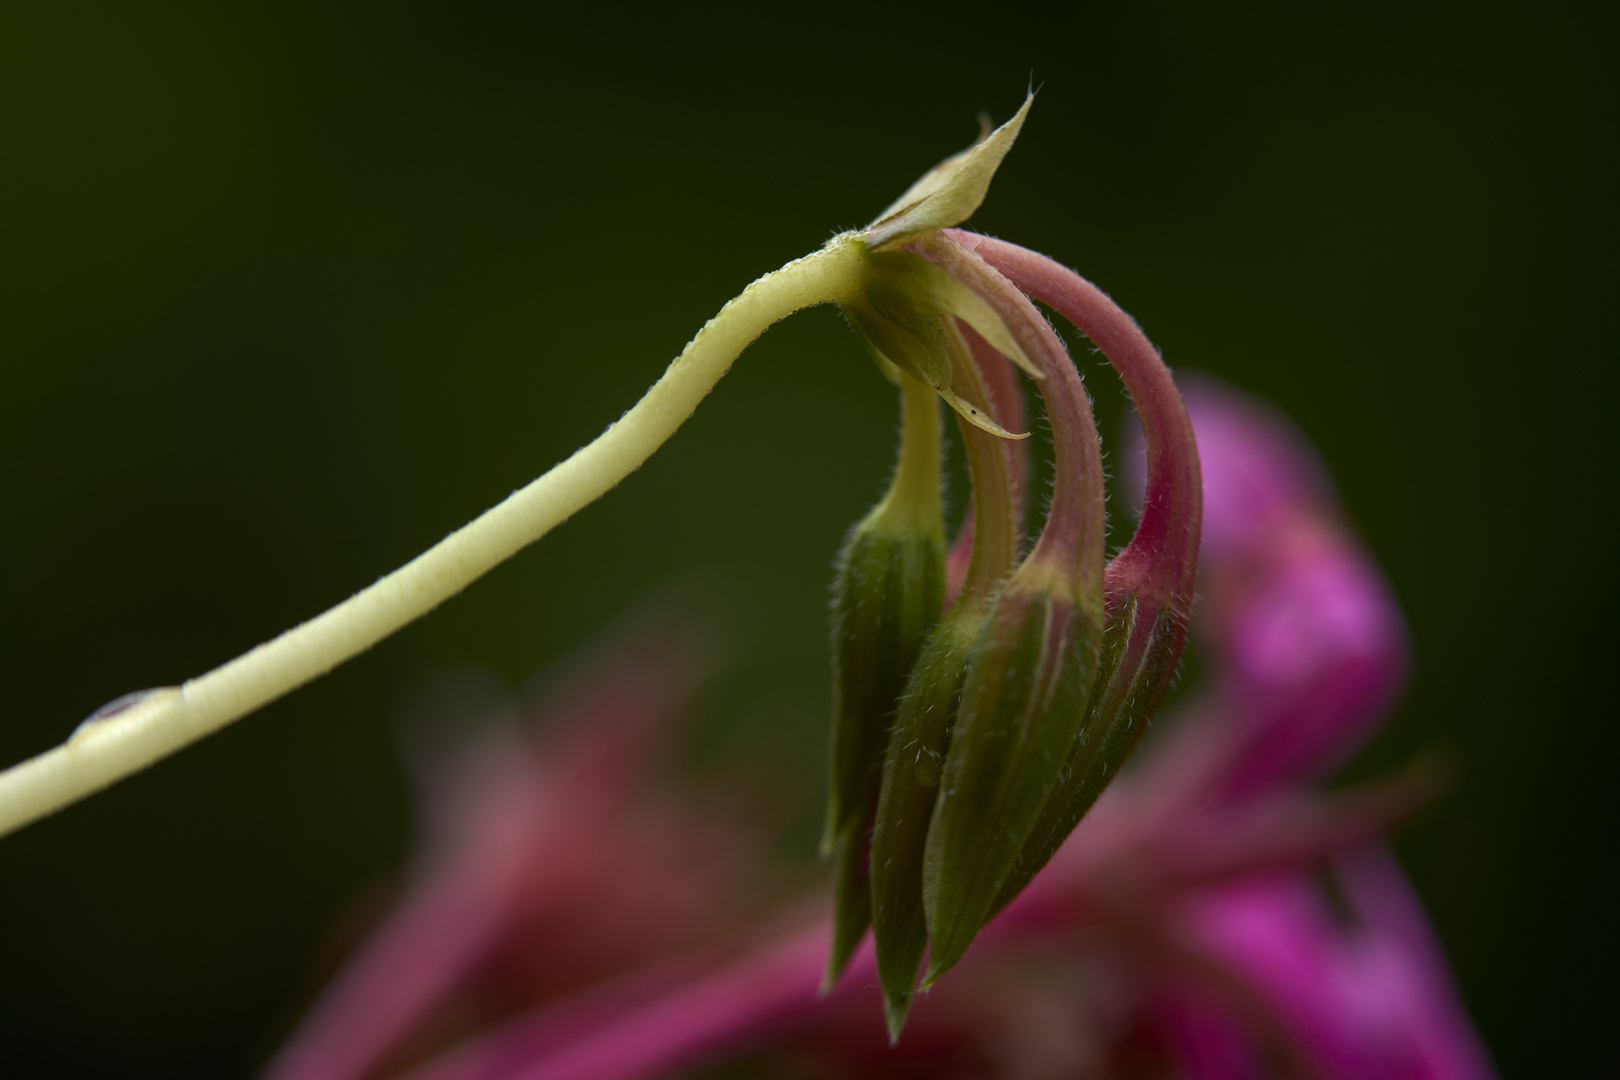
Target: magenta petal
x,y
1363,1000
1408,965
554,1024
1256,464
1278,941
523,822
1314,652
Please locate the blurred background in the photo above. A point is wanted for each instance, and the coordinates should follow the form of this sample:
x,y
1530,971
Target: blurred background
x,y
289,291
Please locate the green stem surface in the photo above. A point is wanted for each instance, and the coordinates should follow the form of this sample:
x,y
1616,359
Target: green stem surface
x,y
104,750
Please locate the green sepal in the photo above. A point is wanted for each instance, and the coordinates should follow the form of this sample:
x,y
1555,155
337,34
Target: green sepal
x,y
1023,702
948,193
903,285
912,341
887,595
911,772
852,898
899,313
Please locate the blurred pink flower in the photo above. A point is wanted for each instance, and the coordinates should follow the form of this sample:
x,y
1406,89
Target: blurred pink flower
x,y
1215,916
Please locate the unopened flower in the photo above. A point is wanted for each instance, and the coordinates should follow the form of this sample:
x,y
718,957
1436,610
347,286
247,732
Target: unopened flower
x,y
1149,585
1032,667
920,737
887,596
1034,686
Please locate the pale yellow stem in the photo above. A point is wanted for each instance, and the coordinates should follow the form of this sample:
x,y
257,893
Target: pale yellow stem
x,y
103,751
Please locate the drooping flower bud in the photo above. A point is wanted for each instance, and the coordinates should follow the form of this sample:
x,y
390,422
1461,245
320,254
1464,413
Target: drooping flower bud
x,y
1149,585
1011,716
910,315
887,595
1025,691
922,730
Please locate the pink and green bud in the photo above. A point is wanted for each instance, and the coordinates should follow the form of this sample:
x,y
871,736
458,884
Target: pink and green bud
x,y
922,731
1030,692
1149,585
1022,700
1025,692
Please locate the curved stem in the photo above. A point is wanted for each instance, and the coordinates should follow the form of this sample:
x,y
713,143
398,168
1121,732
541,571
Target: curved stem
x,y
1163,554
125,740
1006,407
915,488
1072,539
1006,400
990,467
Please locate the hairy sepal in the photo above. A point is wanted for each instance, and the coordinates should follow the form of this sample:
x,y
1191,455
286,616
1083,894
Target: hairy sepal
x,y
887,595
901,313
951,191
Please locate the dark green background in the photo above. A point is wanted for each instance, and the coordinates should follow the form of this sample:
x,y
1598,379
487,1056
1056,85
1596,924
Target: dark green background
x,y
288,291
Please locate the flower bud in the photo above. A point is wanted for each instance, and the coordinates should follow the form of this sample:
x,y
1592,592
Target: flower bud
x,y
1025,692
922,730
887,595
1141,646
1022,703
1149,585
